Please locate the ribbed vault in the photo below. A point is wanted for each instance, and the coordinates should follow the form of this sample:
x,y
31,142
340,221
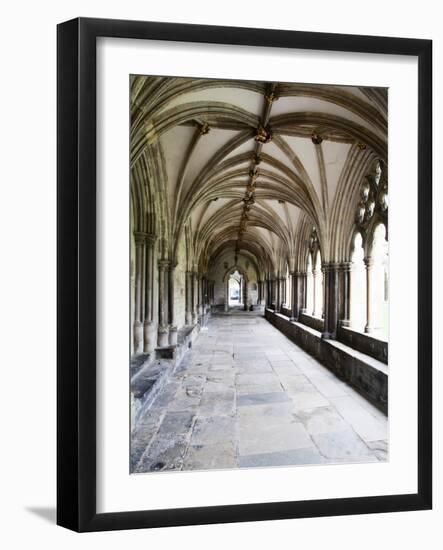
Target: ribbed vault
x,y
250,168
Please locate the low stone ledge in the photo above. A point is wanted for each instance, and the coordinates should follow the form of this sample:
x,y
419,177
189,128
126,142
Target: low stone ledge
x,y
365,343
316,323
366,374
151,373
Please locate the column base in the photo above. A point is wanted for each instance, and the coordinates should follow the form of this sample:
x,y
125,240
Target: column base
x,y
149,336
173,335
138,337
194,318
188,318
345,323
328,336
163,337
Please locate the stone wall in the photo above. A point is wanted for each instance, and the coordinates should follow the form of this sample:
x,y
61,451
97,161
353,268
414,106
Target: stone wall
x,y
378,349
224,263
367,375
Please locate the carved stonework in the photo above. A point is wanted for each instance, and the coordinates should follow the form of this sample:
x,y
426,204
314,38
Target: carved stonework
x,y
373,204
263,135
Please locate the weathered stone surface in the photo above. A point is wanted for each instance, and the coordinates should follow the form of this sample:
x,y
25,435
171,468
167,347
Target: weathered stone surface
x,y
264,438
216,456
282,458
380,449
262,398
256,411
341,444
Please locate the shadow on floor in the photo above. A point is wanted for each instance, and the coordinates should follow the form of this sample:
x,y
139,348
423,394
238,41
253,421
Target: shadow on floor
x,y
46,513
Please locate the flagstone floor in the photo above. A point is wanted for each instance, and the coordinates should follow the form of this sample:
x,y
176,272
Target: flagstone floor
x,y
246,396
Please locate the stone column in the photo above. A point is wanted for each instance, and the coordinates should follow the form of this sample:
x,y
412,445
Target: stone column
x,y
138,306
199,295
264,297
150,339
245,295
188,313
227,295
317,294
163,339
171,306
301,292
277,294
332,300
194,298
345,299
294,304
369,263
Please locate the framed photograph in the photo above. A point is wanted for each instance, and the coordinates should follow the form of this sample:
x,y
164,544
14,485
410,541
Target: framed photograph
x,y
244,274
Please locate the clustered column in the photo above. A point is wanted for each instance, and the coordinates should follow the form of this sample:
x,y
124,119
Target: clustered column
x,y
171,305
345,298
188,307
194,297
294,292
369,263
331,283
163,269
138,309
148,324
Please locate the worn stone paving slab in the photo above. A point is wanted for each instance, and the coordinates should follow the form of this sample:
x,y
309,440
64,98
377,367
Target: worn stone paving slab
x,y
262,438
365,424
321,420
380,449
282,458
245,396
262,398
219,456
341,444
213,429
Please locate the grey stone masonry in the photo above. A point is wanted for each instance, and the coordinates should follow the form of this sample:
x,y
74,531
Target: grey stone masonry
x,y
245,396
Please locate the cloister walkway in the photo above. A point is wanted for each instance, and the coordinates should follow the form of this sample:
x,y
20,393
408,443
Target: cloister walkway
x,y
246,396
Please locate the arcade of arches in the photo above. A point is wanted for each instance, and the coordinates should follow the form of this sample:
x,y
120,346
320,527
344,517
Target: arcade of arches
x,y
266,203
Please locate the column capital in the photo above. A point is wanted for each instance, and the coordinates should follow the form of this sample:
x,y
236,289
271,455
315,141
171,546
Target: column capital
x,y
150,238
293,273
164,264
346,266
368,261
140,238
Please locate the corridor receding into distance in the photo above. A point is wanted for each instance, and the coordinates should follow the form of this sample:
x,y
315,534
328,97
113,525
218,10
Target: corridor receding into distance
x,y
259,269
247,396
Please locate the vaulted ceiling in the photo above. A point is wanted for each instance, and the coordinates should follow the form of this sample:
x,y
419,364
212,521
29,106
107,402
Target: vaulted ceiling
x,y
246,165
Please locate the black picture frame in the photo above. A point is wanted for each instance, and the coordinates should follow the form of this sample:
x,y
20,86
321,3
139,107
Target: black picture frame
x,y
76,279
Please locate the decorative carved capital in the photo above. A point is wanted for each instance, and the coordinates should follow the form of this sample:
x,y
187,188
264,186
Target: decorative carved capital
x,y
263,135
139,238
316,138
163,264
346,266
204,129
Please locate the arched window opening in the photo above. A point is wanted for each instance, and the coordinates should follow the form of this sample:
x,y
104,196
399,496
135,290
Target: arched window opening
x,y
380,283
358,285
318,287
309,287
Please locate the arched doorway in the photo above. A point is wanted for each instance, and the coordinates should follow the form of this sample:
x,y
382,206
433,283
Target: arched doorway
x,y
235,289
